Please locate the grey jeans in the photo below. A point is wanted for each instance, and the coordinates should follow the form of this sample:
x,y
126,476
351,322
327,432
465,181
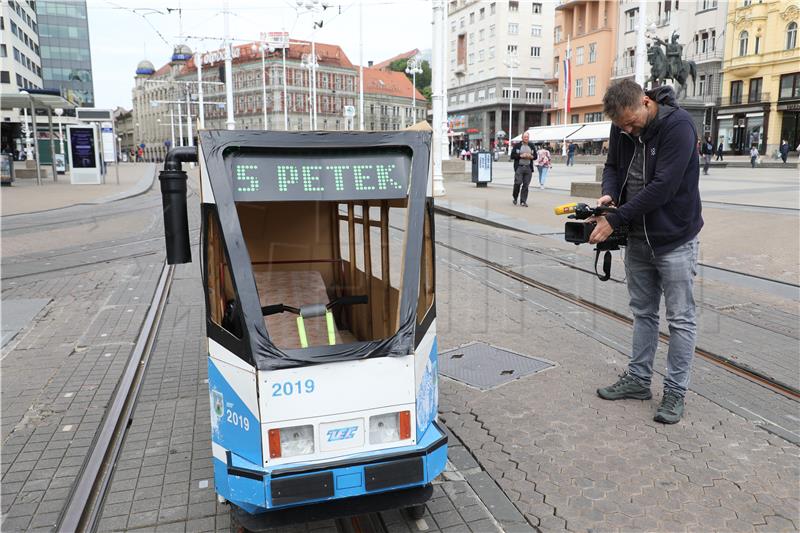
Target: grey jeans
x,y
649,276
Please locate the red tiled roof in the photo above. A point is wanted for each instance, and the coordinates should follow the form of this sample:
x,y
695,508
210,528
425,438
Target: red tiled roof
x,y
384,65
388,82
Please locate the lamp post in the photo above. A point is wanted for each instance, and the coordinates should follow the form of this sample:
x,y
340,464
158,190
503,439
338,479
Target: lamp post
x,y
308,61
413,67
511,63
263,48
27,131
313,6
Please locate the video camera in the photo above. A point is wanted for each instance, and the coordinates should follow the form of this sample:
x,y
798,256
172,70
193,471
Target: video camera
x,y
579,231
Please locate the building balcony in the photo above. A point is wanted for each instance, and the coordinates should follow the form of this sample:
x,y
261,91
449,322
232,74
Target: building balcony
x,y
756,98
703,57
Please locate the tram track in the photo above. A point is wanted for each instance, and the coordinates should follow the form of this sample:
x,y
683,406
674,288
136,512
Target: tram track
x,y
85,502
727,363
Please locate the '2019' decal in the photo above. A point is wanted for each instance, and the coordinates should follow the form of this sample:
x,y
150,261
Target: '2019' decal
x,y
288,388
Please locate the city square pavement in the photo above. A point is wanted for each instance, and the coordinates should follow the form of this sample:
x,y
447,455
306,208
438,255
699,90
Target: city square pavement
x,y
541,451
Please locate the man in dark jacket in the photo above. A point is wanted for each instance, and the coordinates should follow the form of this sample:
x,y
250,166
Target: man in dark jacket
x,y
707,150
523,155
784,150
652,174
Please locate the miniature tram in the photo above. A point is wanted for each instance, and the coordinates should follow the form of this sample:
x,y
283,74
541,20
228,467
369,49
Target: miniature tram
x,y
322,353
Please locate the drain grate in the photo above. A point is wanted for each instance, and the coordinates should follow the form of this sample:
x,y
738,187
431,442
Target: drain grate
x,y
485,366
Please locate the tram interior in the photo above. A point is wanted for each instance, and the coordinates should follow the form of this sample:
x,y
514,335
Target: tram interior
x,y
305,253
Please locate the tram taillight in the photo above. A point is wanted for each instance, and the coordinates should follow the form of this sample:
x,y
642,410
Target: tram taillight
x,y
390,427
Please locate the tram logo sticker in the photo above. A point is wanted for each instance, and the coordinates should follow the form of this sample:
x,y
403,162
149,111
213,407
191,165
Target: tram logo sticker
x,y
218,402
342,433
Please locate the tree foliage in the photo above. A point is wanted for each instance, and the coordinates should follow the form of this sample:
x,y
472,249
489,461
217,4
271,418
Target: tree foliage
x,y
423,79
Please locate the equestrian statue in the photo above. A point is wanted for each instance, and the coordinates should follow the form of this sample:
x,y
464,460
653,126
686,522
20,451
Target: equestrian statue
x,y
669,64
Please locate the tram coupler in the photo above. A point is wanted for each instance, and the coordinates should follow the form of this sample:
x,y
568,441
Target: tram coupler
x,y
173,198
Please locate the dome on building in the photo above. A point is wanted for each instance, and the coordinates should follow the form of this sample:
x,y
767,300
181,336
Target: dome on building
x,y
181,52
145,68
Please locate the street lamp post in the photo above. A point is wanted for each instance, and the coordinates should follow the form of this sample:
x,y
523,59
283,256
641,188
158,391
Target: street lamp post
x,y
413,67
511,62
313,6
263,48
58,111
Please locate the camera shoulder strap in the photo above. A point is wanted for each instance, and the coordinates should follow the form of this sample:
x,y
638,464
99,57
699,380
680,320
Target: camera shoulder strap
x,y
606,275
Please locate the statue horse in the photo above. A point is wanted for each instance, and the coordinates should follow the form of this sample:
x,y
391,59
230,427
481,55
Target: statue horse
x,y
659,69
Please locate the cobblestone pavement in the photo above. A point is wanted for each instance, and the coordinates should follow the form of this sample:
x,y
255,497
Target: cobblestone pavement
x,y
569,460
59,372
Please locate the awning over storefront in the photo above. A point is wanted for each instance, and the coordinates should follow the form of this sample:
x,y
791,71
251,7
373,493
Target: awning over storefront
x,y
593,131
549,133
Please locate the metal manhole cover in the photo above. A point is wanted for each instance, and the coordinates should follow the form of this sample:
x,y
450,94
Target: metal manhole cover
x,y
485,366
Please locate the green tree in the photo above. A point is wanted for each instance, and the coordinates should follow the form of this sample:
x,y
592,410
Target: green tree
x,y
423,78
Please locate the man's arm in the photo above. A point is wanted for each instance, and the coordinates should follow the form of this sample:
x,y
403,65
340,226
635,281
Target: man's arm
x,y
515,152
611,177
673,159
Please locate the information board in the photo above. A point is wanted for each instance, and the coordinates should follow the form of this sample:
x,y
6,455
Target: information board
x,y
322,175
82,147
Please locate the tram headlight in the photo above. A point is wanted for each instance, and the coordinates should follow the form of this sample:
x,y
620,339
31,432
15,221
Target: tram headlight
x,y
389,427
291,441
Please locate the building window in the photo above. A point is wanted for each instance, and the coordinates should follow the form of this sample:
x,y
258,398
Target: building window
x,y
708,4
537,8
533,96
743,43
791,35
492,8
736,92
513,28
592,83
461,22
631,16
579,55
790,86
557,34
513,6
578,87
482,13
536,31
512,49
482,95
491,52
5,77
536,51
508,92
481,34
3,51
746,3
701,86
754,92
481,55
592,52
492,92
574,119
757,44
471,58
491,31
472,18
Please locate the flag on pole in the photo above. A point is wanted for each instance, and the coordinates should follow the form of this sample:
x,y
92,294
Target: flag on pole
x,y
567,84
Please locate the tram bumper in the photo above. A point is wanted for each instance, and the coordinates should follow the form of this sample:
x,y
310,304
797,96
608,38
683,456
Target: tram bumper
x,y
393,472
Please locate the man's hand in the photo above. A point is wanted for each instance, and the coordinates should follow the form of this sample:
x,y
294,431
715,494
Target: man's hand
x,y
605,200
601,231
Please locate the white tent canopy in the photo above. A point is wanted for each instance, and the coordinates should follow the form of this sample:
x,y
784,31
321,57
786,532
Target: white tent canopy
x,y
584,131
593,131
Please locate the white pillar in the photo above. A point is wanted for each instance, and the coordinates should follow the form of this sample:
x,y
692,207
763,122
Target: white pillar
x,y
264,84
285,96
314,79
172,125
180,125
361,64
189,118
230,122
438,86
641,45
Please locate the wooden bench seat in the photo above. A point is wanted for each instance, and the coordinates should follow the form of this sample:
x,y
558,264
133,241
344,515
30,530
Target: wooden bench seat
x,y
295,289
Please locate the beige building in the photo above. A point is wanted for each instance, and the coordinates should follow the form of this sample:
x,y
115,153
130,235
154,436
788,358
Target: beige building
x,y
499,53
761,91
589,29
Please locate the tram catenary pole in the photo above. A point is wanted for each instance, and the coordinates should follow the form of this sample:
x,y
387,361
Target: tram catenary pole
x,y
201,112
439,88
361,65
230,123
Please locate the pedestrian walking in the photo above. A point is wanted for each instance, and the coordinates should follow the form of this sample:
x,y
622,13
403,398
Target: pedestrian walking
x,y
753,156
571,154
784,150
719,152
522,155
543,163
652,142
707,150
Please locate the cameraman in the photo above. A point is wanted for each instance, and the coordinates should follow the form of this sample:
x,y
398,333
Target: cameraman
x,y
652,174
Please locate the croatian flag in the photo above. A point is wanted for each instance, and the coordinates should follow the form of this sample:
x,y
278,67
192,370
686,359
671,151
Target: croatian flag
x,y
567,85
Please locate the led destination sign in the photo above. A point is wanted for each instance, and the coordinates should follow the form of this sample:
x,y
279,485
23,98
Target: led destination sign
x,y
343,175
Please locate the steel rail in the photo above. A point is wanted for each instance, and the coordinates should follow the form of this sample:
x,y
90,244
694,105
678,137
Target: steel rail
x,y
85,503
735,367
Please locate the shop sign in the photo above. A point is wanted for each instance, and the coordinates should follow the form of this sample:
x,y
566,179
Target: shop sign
x,y
795,106
219,55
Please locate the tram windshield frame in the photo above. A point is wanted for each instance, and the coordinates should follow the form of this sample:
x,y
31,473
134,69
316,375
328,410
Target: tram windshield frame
x,y
221,150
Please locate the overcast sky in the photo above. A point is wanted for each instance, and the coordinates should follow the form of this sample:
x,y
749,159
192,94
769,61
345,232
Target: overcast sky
x,y
124,32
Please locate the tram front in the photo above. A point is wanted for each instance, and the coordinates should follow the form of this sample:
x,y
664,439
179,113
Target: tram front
x,y
318,266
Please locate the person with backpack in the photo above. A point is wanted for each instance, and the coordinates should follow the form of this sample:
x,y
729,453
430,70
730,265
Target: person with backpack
x,y
707,150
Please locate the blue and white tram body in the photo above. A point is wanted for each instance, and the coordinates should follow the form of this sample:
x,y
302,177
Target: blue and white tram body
x,y
350,415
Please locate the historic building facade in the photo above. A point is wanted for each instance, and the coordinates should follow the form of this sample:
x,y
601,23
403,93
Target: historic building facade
x,y
761,86
587,32
499,53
